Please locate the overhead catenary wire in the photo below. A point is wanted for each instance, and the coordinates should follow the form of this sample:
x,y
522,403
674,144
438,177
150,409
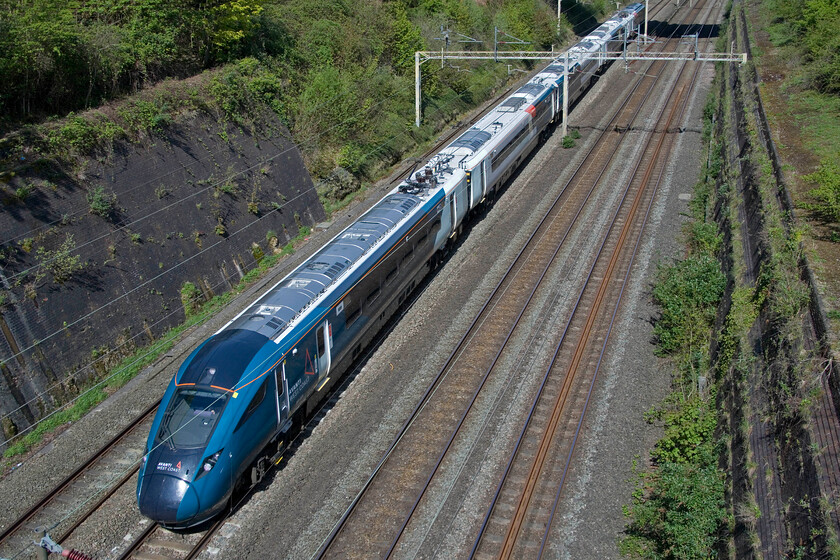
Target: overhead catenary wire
x,y
116,477
238,231
312,138
406,131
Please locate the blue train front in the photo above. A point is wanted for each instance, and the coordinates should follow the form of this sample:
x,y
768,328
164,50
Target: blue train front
x,y
229,410
209,429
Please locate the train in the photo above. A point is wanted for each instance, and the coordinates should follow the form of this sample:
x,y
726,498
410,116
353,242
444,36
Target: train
x,y
240,396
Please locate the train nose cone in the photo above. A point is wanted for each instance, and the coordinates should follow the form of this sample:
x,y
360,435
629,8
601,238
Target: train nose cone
x,y
167,499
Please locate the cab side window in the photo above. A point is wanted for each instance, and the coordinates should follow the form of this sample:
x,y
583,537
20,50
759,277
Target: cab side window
x,y
254,404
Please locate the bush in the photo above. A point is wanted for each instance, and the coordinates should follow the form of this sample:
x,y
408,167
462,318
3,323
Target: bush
x,y
101,203
190,296
688,292
61,262
826,195
687,430
678,513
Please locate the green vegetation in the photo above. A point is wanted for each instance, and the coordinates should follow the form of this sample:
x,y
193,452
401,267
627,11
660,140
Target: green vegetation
x,y
810,26
102,203
826,195
804,33
678,512
129,366
339,75
190,298
58,56
679,504
85,402
687,292
60,262
23,192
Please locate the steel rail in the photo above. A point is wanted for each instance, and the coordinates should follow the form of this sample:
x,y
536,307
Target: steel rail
x,y
477,320
99,454
80,470
609,332
341,523
536,286
559,406
513,528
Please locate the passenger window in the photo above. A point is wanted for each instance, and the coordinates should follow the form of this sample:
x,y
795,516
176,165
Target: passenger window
x,y
353,315
407,258
391,276
422,241
372,296
255,403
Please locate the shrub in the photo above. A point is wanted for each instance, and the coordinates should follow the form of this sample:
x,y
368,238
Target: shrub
x,y
826,195
146,115
23,192
61,262
228,187
190,296
679,513
101,203
688,292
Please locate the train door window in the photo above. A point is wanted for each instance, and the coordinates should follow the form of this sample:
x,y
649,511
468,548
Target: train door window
x,y
280,384
253,405
320,337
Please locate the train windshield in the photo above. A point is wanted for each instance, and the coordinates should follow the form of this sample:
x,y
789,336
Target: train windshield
x,y
191,417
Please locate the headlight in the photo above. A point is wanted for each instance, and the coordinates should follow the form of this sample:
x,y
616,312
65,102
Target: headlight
x,y
208,464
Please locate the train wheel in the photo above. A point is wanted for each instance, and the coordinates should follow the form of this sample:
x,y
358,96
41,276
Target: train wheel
x,y
258,470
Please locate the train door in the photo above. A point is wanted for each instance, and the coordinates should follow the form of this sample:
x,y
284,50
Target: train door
x,y
477,184
453,219
462,204
282,393
324,339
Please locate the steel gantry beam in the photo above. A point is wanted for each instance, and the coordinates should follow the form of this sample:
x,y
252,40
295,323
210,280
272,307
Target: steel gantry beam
x,y
627,55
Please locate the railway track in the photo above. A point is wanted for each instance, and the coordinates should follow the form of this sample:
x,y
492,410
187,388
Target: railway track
x,y
64,508
519,520
376,522
157,543
154,537
67,505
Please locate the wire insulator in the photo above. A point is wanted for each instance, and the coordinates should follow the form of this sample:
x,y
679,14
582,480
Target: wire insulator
x,y
76,555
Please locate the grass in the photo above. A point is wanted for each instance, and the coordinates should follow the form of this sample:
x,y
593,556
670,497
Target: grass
x,y
818,117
